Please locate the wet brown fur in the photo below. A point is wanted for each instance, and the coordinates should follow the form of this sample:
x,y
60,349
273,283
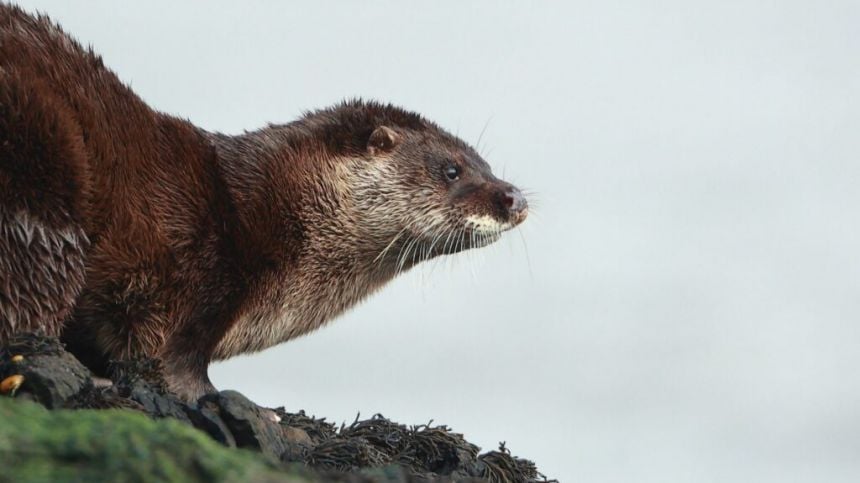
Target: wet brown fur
x,y
134,233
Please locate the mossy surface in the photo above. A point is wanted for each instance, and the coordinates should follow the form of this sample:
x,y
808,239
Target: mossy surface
x,y
57,425
120,446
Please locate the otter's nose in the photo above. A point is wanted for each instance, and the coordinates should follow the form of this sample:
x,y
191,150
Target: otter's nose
x,y
515,202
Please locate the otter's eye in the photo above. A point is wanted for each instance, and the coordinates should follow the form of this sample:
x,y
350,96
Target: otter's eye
x,y
452,172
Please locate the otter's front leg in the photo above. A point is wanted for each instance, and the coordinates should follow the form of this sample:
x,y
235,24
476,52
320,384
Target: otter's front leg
x,y
185,359
186,374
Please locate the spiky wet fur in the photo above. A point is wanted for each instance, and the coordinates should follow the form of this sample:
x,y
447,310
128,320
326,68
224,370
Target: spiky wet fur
x,y
132,233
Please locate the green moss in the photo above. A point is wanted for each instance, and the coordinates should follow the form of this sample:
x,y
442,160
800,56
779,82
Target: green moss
x,y
117,445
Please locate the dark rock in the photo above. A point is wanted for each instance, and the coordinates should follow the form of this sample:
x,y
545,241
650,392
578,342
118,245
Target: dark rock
x,y
251,426
297,436
298,445
296,453
159,405
102,398
206,419
52,376
142,381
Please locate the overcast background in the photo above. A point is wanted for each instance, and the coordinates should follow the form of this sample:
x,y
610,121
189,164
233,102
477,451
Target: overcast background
x,y
684,303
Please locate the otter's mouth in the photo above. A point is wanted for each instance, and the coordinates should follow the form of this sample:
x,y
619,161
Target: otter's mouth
x,y
487,225
476,232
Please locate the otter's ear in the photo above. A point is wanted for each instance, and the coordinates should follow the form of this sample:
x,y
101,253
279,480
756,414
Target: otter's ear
x,y
382,140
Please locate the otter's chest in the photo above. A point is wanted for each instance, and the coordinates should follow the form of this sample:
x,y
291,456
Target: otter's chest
x,y
287,312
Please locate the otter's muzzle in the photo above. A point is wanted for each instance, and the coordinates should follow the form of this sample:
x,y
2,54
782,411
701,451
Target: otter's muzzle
x,y
514,205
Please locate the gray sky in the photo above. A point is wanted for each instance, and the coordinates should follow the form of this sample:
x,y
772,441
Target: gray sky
x,y
684,303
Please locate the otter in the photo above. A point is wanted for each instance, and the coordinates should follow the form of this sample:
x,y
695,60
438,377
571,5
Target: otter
x,y
131,233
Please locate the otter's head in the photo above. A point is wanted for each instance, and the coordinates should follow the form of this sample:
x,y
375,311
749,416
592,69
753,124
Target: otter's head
x,y
421,192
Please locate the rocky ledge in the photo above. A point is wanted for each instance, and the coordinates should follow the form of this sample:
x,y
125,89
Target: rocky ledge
x,y
60,425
